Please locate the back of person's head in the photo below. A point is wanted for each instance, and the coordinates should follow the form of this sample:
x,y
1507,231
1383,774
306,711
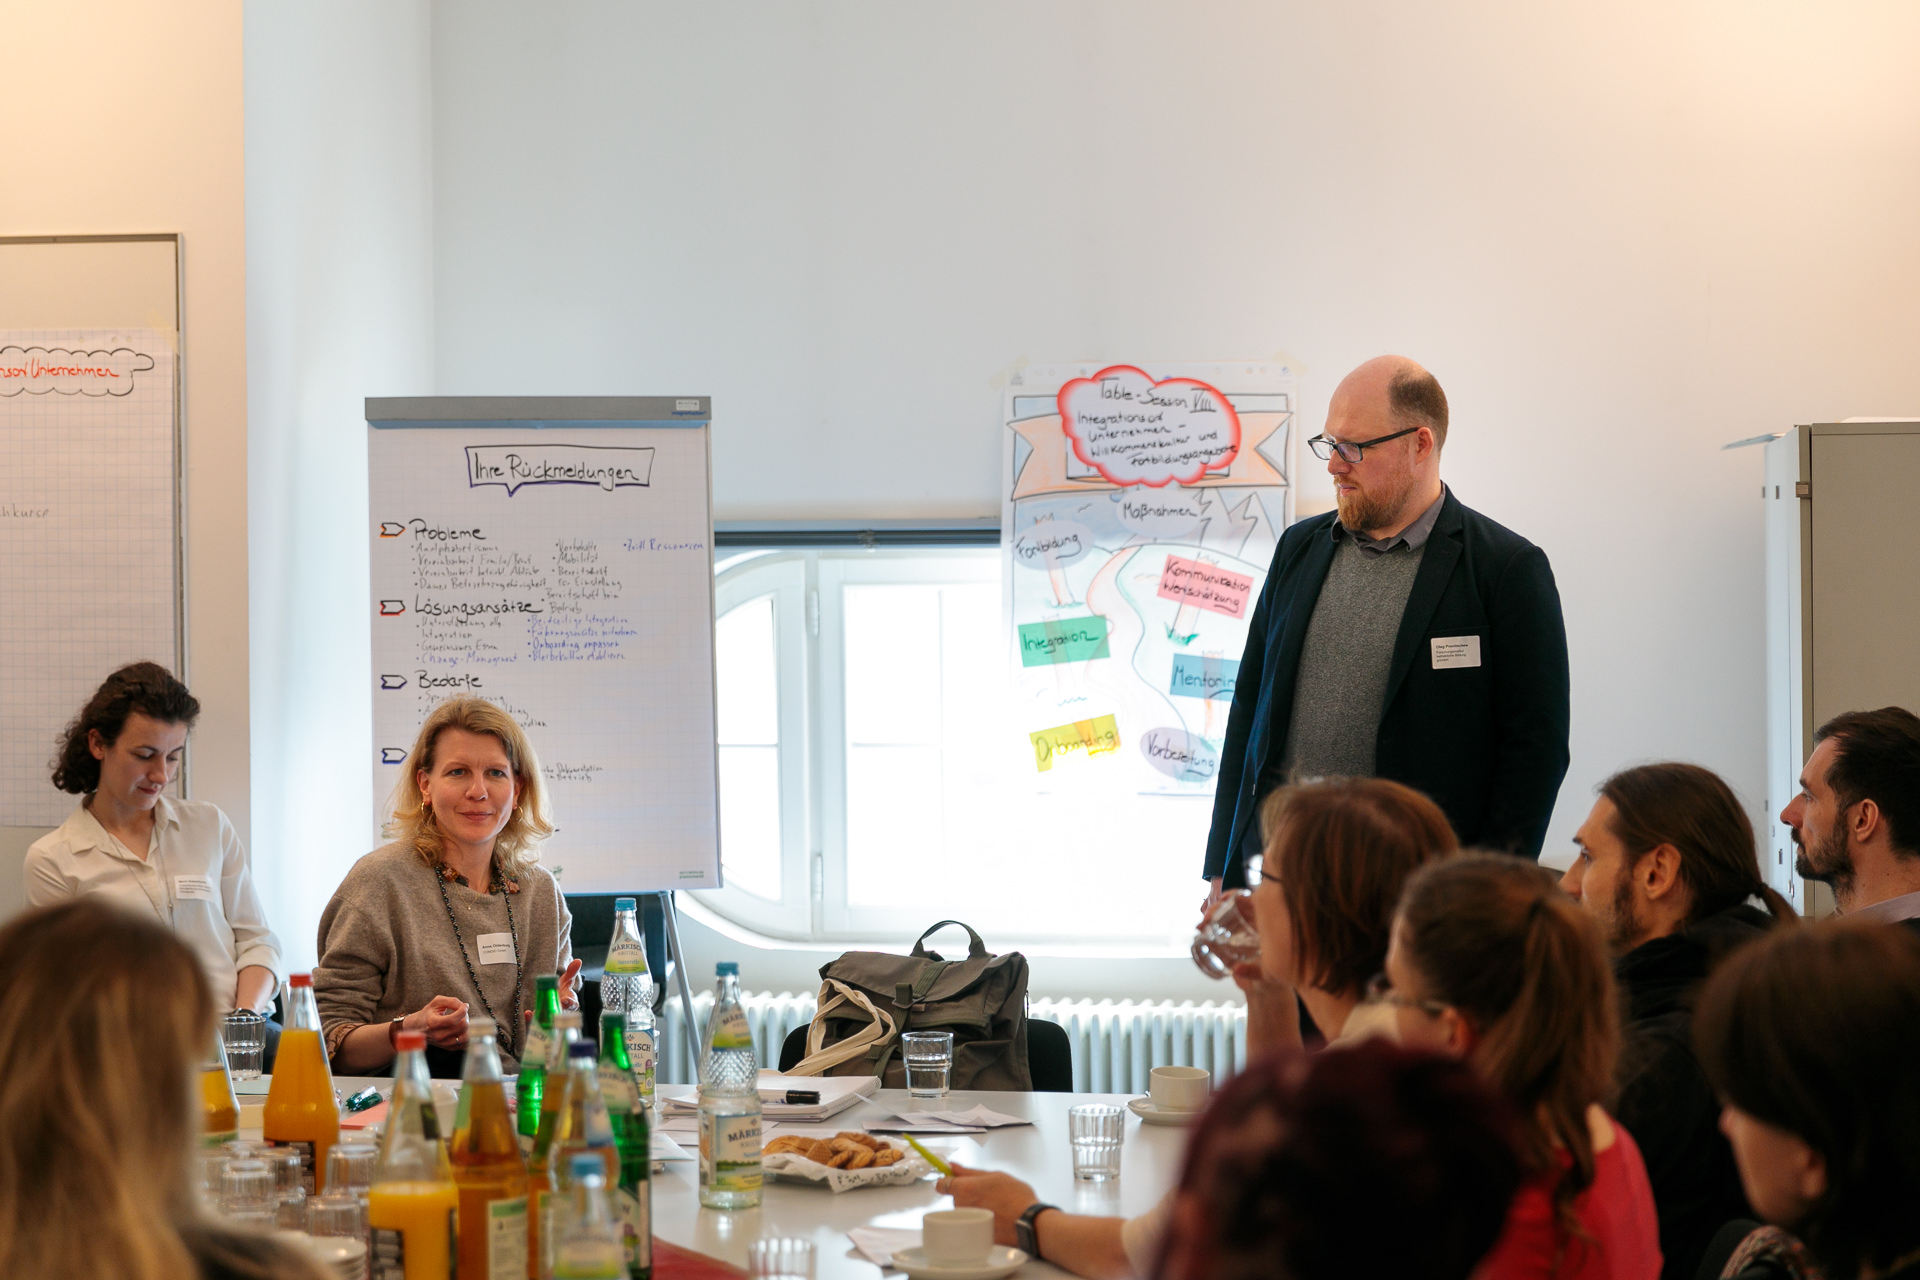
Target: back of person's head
x,y
1817,1031
144,687
1877,757
1494,938
104,1019
1356,1162
1693,810
1342,849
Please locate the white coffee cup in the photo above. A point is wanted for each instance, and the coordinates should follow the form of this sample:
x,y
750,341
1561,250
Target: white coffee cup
x,y
1178,1088
957,1237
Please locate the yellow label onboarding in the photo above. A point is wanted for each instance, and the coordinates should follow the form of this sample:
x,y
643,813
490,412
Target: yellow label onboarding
x,y
1095,737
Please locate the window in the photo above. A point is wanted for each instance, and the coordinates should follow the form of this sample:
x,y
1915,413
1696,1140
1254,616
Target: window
x,y
872,783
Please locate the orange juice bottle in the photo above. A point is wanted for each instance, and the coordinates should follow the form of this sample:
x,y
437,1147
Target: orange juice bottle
x,y
488,1168
220,1109
301,1112
412,1206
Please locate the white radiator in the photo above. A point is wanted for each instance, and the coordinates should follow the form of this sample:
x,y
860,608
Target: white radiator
x,y
1114,1045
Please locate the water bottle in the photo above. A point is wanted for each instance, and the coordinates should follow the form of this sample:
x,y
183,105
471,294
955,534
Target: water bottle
x,y
729,1102
586,1235
626,988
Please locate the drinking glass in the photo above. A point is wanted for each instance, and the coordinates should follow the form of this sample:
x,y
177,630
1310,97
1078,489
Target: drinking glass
x,y
247,1193
350,1167
1095,1128
929,1059
1226,937
772,1258
337,1215
245,1035
290,1186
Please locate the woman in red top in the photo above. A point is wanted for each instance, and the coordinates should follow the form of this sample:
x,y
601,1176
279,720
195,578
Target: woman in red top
x,y
1490,962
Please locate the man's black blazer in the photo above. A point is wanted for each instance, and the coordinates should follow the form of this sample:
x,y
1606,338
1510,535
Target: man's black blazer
x,y
1487,743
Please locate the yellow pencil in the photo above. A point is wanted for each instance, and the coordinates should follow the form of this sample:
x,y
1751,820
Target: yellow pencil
x,y
946,1170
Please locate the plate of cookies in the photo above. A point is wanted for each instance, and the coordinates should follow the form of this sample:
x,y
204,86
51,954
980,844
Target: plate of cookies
x,y
844,1161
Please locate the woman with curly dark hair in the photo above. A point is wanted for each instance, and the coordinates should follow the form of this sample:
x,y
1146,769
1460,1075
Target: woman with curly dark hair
x,y
174,860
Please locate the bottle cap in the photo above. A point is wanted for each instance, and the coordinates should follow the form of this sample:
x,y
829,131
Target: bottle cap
x,y
623,904
299,979
587,1167
609,1017
726,967
546,982
567,1018
413,1041
482,1027
582,1049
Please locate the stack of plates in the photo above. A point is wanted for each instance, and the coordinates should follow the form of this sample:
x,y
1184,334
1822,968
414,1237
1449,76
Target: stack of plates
x,y
340,1256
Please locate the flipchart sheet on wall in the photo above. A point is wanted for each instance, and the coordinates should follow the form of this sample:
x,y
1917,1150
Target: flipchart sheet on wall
x,y
89,548
565,574
1142,508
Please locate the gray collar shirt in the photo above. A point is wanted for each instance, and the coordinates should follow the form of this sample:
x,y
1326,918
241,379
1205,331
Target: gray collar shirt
x,y
1413,537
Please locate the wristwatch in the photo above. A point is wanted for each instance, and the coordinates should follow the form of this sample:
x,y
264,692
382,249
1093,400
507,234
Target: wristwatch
x,y
1023,1229
393,1030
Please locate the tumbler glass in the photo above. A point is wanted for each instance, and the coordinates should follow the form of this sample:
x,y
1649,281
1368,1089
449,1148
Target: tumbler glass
x,y
1095,1129
1226,937
929,1060
245,1035
772,1258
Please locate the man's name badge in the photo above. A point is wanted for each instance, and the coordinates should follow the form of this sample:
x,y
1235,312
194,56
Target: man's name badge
x,y
1455,651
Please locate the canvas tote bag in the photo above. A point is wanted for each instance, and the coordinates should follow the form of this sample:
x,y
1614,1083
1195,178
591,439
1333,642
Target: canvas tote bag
x,y
868,998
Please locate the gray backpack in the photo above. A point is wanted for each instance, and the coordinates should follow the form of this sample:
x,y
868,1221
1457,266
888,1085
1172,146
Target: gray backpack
x,y
867,998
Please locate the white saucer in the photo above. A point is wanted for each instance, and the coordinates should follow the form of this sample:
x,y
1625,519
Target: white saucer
x,y
1002,1260
1150,1114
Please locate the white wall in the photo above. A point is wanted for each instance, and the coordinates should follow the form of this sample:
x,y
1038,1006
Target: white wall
x,y
340,256
1621,235
125,117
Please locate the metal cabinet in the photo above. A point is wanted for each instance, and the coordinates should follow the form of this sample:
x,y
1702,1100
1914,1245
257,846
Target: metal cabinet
x,y
1843,599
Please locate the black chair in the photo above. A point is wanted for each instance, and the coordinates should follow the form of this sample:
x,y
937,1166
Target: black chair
x,y
1049,1055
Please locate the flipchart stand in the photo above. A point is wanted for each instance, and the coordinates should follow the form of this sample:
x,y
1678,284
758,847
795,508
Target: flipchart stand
x,y
667,916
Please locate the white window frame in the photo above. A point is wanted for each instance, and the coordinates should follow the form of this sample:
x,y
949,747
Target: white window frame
x,y
811,667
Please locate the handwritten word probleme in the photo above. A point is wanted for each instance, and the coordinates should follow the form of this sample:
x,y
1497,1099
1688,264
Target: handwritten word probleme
x,y
1205,586
603,466
1098,736
39,370
1135,431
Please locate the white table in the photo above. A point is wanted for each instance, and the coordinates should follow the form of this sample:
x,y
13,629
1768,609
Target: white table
x,y
1039,1154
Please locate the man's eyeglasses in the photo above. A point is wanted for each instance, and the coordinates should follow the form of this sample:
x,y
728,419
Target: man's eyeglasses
x,y
1254,869
1352,450
1380,991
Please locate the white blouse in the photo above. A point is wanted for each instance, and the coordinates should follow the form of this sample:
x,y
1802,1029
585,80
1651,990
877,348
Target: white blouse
x,y
196,879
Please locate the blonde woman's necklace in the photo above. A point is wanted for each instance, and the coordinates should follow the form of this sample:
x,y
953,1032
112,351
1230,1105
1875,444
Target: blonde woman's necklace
x,y
512,1031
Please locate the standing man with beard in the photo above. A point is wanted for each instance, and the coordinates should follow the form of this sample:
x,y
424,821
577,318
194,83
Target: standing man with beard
x,y
1401,636
1856,821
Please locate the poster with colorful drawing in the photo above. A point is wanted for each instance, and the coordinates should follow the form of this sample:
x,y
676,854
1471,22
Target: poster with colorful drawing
x,y
1141,509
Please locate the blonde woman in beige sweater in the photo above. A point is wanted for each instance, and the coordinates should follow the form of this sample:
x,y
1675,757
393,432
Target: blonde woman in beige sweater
x,y
455,917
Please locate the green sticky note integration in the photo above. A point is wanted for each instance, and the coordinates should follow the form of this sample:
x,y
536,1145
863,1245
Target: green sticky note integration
x,y
1058,640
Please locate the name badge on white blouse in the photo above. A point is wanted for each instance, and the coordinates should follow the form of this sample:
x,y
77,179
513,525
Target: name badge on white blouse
x,y
194,889
1455,651
496,948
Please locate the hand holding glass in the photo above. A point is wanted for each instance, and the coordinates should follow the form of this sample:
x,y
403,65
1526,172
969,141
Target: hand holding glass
x,y
1227,936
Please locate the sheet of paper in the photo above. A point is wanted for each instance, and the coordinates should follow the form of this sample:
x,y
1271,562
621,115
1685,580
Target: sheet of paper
x,y
878,1244
661,1147
975,1117
920,1126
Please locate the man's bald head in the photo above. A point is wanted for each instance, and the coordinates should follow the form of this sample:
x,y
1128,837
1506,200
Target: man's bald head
x,y
1409,394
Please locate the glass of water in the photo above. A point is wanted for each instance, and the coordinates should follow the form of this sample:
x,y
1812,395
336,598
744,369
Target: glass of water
x,y
771,1258
245,1035
1226,937
1095,1128
929,1059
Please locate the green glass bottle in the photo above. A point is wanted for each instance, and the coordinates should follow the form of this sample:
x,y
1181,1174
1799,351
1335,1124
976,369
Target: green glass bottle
x,y
633,1197
531,1087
